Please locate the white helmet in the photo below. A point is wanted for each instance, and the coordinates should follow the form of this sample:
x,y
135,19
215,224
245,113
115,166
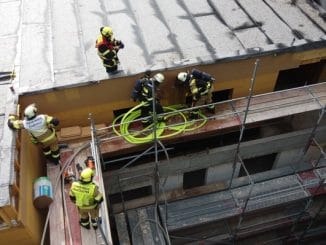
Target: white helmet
x,y
182,76
159,77
30,111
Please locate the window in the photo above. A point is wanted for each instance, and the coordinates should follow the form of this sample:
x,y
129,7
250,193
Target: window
x,y
222,95
301,76
258,164
194,178
131,194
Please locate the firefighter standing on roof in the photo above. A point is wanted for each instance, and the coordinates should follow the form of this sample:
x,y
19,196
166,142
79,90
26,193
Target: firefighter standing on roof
x,y
200,85
143,92
85,194
41,129
108,48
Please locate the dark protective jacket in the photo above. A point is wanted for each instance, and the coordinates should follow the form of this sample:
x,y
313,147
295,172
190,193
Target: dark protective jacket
x,y
137,92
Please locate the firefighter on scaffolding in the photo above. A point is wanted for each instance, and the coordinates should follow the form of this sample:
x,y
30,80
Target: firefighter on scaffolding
x,y
85,194
41,129
200,86
143,93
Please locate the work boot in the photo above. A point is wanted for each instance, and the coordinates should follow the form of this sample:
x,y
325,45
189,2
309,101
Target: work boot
x,y
84,223
94,223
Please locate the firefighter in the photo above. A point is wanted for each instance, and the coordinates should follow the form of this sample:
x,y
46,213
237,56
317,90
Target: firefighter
x,y
108,47
143,93
136,93
41,129
200,86
85,195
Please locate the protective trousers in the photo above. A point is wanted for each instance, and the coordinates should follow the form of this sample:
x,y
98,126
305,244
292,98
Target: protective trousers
x,y
84,215
51,150
147,110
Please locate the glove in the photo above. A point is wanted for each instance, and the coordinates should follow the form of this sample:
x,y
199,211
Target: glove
x,y
73,199
10,123
121,45
12,117
98,202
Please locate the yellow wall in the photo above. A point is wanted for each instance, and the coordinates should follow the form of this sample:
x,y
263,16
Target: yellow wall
x,y
73,105
32,166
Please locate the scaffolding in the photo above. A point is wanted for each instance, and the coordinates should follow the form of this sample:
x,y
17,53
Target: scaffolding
x,y
250,202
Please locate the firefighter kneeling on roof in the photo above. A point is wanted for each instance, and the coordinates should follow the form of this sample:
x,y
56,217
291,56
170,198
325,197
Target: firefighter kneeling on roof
x,y
85,194
41,129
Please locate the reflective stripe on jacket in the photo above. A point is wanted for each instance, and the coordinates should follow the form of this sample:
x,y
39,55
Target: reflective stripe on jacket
x,y
84,194
199,88
146,91
109,47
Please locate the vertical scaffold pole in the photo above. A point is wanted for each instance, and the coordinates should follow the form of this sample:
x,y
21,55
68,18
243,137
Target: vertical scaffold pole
x,y
251,88
105,225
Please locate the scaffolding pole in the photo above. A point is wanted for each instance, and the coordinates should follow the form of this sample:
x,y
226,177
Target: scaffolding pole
x,y
105,223
243,122
234,233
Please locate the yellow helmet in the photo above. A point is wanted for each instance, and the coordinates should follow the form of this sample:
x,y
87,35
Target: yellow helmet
x,y
87,174
106,31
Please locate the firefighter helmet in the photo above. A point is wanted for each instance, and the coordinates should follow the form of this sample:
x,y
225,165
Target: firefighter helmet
x,y
87,174
159,77
106,31
30,111
182,76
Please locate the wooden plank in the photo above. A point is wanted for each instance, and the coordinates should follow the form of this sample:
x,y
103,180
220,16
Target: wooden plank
x,y
72,216
88,236
80,235
56,222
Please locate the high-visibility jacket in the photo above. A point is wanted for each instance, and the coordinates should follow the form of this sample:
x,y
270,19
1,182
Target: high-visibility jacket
x,y
41,127
86,195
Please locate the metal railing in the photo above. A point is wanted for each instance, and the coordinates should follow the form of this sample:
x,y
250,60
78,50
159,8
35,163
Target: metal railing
x,y
237,156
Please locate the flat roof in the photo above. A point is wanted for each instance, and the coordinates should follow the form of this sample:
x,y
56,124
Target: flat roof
x,y
51,44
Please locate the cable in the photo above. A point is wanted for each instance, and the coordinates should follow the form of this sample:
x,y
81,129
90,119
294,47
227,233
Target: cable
x,y
146,135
